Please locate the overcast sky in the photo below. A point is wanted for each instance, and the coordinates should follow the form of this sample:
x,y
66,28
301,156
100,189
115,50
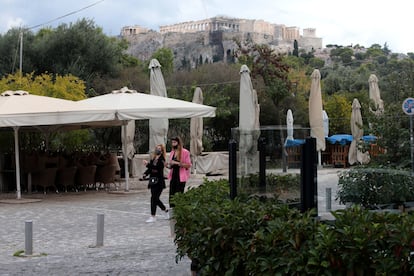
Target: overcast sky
x,y
363,22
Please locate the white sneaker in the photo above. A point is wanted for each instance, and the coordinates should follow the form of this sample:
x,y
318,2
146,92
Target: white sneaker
x,y
151,219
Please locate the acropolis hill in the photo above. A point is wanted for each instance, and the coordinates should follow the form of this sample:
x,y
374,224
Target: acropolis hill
x,y
212,39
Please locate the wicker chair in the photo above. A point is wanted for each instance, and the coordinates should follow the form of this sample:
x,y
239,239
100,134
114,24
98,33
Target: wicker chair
x,y
45,178
85,176
66,178
30,165
340,155
105,175
294,156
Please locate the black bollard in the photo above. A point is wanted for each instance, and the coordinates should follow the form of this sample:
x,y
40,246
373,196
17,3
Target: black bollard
x,y
233,168
262,163
308,173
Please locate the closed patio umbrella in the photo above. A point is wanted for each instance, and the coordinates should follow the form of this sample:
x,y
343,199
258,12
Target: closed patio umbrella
x,y
375,96
249,126
196,130
289,125
315,113
355,155
158,128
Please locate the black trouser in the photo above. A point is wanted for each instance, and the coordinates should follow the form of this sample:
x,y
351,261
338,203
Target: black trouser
x,y
155,199
175,187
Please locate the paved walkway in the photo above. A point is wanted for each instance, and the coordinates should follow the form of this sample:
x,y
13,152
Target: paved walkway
x,y
65,226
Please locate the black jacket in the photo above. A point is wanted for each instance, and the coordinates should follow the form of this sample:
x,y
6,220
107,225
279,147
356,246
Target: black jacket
x,y
156,168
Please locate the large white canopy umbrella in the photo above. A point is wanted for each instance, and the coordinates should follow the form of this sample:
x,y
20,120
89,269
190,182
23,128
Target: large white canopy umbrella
x,y
19,109
355,155
315,112
196,129
138,106
133,105
158,128
249,126
375,96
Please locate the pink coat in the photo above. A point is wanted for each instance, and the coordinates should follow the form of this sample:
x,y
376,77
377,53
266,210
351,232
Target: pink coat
x,y
184,172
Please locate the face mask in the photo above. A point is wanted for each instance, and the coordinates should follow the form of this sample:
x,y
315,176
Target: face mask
x,y
175,147
157,152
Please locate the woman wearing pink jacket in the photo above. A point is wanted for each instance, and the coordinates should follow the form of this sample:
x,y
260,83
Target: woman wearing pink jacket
x,y
179,164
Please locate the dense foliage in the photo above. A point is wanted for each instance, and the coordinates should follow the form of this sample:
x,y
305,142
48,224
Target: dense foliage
x,y
65,87
257,236
80,49
372,187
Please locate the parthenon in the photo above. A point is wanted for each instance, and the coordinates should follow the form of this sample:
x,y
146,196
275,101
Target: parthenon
x,y
228,24
214,39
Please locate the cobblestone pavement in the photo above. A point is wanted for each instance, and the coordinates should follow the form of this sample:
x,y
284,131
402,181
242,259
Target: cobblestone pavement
x,y
65,228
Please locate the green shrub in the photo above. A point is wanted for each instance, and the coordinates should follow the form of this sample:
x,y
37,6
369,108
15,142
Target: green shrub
x,y
261,236
370,187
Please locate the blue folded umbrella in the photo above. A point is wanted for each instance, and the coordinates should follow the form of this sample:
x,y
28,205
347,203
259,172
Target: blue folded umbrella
x,y
294,142
341,139
369,138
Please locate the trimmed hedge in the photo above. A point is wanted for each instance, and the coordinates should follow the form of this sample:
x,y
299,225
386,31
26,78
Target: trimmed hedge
x,y
371,187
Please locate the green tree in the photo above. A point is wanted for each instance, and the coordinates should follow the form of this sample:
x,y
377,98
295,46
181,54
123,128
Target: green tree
x,y
343,55
316,62
338,108
165,57
9,49
220,86
64,87
80,49
375,51
270,72
392,130
344,79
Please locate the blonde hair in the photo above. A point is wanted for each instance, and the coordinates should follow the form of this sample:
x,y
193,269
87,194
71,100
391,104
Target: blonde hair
x,y
162,151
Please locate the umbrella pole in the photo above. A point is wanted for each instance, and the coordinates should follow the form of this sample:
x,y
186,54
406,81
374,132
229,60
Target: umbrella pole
x,y
17,161
195,164
124,151
412,144
319,158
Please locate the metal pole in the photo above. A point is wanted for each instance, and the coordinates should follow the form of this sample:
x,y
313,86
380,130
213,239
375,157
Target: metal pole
x,y
124,150
233,168
17,162
319,159
262,164
21,53
100,230
412,144
328,196
28,237
308,173
284,153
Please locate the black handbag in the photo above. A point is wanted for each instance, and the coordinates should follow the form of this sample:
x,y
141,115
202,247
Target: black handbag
x,y
153,180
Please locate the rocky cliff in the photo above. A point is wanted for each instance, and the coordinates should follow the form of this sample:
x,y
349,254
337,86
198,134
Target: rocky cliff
x,y
194,48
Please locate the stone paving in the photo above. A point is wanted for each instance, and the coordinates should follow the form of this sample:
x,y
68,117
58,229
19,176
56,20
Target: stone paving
x,y
65,227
